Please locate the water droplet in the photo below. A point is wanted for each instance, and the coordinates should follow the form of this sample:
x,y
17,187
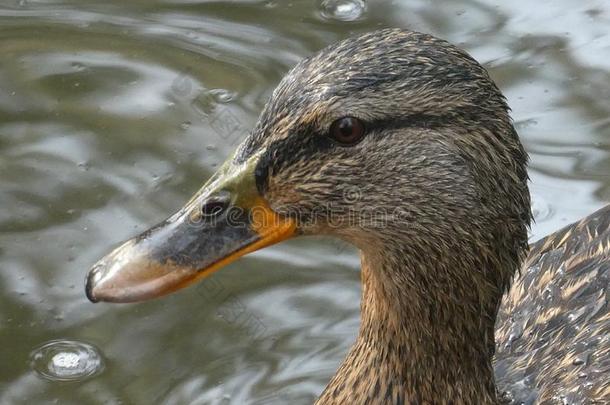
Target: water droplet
x,y
222,96
84,165
506,397
66,360
343,10
185,125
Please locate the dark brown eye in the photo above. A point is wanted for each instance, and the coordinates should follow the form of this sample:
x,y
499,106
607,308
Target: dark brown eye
x,y
347,130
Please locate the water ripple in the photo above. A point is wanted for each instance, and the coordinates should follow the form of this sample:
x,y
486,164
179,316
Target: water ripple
x,y
343,10
66,360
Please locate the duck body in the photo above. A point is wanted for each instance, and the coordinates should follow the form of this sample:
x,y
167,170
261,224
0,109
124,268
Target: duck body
x,y
553,328
416,129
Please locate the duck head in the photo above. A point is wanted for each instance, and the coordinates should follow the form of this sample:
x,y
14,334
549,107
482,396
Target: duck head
x,y
394,141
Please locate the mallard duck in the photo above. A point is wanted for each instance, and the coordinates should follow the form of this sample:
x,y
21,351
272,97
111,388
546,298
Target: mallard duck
x,y
401,144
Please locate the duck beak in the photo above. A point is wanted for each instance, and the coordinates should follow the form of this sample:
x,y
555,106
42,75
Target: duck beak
x,y
225,220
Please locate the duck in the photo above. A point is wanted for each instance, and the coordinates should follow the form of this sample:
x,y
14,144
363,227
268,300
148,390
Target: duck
x,y
402,145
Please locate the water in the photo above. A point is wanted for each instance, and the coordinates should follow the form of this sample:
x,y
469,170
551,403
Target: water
x,y
112,114
66,360
343,10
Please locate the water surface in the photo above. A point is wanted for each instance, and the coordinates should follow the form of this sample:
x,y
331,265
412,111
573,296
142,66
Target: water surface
x,y
113,113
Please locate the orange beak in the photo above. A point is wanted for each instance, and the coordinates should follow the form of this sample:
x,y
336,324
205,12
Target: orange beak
x,y
225,220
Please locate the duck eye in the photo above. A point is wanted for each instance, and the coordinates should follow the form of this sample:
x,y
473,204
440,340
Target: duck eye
x,y
347,130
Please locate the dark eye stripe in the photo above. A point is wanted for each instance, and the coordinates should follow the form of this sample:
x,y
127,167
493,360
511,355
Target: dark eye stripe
x,y
411,121
287,151
305,144
428,120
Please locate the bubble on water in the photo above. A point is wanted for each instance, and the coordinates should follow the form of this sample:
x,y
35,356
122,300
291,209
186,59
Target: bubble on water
x,y
66,360
343,10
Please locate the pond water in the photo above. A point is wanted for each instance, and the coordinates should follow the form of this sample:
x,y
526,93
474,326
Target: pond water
x,y
113,113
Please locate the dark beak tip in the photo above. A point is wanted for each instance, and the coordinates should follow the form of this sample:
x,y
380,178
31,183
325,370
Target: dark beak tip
x,y
89,287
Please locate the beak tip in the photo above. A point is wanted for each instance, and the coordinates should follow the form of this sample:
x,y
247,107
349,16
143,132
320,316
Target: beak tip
x,y
89,286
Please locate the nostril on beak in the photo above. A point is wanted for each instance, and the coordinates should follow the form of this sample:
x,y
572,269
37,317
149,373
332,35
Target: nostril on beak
x,y
215,205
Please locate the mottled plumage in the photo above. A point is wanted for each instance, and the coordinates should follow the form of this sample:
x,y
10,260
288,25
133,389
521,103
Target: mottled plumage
x,y
553,329
444,167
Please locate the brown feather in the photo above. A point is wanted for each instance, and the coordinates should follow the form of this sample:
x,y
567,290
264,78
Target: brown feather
x,y
443,173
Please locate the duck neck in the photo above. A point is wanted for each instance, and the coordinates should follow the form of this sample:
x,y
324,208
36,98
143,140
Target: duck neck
x,y
426,334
